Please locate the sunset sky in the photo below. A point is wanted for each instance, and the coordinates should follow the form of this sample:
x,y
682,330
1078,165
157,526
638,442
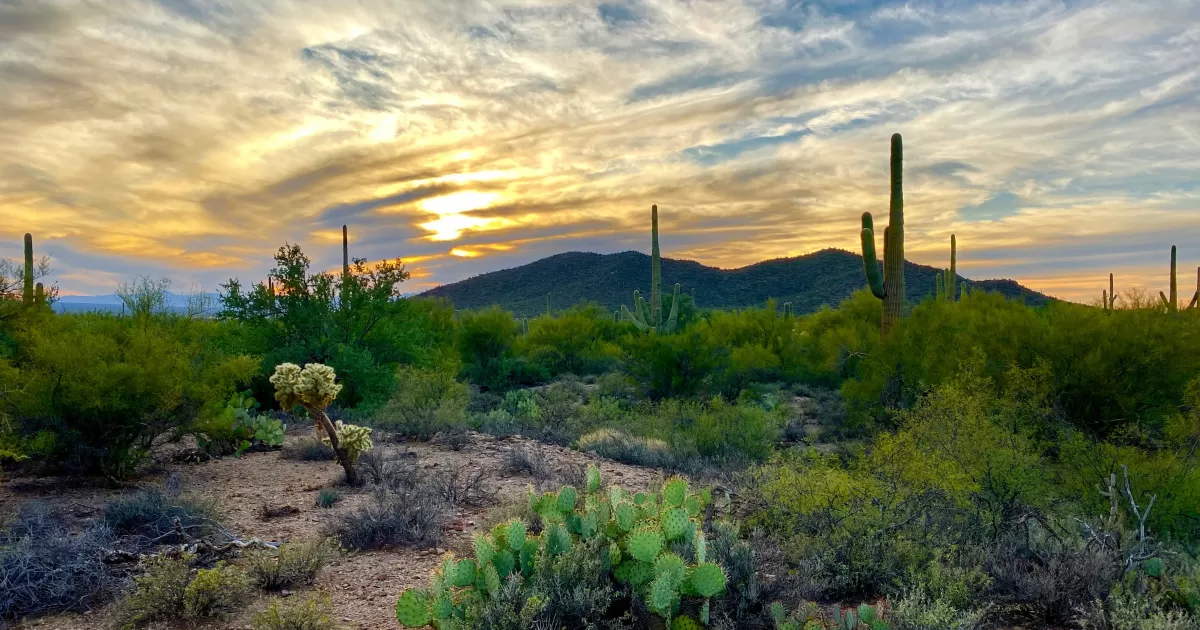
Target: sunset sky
x,y
190,138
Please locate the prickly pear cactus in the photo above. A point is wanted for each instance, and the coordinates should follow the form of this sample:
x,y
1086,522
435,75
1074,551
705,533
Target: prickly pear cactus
x,y
639,539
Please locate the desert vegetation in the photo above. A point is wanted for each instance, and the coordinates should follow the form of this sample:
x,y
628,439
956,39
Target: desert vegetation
x,y
963,461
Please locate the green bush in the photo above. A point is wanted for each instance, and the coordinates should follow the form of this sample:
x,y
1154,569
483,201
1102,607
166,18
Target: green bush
x,y
310,613
424,402
92,392
292,564
169,591
578,341
215,592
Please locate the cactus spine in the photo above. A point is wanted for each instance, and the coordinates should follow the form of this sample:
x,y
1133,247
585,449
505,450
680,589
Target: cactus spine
x,y
27,292
649,316
890,286
1171,303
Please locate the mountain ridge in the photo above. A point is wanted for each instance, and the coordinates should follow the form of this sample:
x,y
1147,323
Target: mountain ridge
x,y
825,277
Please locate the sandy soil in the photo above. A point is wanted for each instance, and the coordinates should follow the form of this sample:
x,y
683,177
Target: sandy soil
x,y
362,586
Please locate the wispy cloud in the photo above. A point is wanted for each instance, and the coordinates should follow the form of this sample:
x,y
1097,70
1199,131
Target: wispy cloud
x,y
1058,140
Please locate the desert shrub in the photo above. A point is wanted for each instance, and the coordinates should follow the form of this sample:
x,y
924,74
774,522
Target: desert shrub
x,y
45,568
310,613
621,447
168,590
146,518
671,366
1048,576
394,517
485,341
158,594
424,402
308,449
91,393
291,565
740,431
328,497
578,341
918,611
482,402
465,485
215,592
528,459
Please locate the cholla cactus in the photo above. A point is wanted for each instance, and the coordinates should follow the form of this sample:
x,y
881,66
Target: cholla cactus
x,y
641,541
353,438
313,388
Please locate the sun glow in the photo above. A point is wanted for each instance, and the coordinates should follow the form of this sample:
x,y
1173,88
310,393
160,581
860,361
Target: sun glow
x,y
451,223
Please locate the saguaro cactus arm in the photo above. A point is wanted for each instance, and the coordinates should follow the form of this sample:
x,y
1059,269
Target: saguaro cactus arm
x,y
673,318
870,262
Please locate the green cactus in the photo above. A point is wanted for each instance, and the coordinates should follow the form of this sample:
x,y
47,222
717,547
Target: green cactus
x,y
631,539
947,280
1172,303
1195,303
593,479
549,313
345,264
412,609
787,310
484,551
1110,298
674,523
648,317
27,295
645,544
515,535
685,623
889,286
675,491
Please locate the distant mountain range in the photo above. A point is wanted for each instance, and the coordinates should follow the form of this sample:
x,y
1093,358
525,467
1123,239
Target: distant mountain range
x,y
808,282
176,303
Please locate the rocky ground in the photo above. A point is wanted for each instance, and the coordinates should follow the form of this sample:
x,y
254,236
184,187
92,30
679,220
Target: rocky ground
x,y
362,586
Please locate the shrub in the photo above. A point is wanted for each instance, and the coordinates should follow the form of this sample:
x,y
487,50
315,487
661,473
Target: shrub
x,y
97,390
425,402
310,613
46,569
215,592
158,593
291,565
408,517
917,611
308,449
327,497
527,459
620,447
146,518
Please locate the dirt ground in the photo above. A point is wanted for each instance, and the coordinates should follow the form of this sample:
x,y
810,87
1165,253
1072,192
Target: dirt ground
x,y
362,586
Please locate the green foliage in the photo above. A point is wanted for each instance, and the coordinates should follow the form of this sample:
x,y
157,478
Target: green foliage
x,y
237,428
328,497
291,565
582,340
92,392
424,402
309,613
168,590
355,323
485,341
616,550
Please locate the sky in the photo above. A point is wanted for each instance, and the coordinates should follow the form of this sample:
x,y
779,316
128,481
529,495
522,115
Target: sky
x,y
1059,141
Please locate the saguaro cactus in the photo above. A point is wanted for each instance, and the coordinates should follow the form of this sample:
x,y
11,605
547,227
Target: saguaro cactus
x,y
889,286
1195,303
27,295
345,263
1172,303
649,316
1109,298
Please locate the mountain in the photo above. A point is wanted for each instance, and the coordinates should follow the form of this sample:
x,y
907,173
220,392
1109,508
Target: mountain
x,y
808,282
176,303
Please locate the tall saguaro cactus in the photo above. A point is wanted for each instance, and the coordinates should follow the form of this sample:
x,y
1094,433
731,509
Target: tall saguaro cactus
x,y
649,316
1172,303
948,280
345,262
1109,298
27,295
889,286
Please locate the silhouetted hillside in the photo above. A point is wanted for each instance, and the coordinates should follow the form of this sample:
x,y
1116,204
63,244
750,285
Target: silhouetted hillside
x,y
808,282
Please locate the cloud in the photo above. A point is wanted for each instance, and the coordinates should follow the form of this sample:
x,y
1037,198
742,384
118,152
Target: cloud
x,y
1057,140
